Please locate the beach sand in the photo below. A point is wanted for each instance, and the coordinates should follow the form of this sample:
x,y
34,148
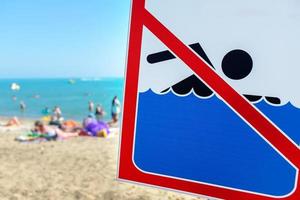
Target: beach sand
x,y
77,168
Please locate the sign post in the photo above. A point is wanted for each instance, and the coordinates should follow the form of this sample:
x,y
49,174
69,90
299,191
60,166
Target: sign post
x,y
204,109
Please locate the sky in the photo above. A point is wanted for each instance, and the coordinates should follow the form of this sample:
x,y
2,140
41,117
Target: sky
x,y
63,38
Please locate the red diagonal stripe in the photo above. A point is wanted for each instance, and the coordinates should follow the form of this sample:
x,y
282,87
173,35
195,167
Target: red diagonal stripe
x,y
239,104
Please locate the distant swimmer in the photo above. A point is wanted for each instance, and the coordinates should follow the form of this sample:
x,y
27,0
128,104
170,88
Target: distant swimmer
x,y
99,113
115,109
22,106
71,81
46,111
91,106
36,96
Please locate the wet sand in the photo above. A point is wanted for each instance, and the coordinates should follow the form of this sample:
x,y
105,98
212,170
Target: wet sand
x,y
77,168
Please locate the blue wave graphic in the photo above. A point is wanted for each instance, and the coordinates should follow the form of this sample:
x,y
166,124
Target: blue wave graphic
x,y
204,140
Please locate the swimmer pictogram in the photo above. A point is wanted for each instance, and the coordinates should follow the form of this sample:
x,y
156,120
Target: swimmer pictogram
x,y
236,65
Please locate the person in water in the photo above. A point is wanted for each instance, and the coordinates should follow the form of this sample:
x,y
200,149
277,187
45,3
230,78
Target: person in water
x,y
99,113
115,109
56,118
22,106
91,106
36,96
46,111
14,98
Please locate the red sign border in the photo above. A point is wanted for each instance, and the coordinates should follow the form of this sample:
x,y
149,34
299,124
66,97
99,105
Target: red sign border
x,y
127,170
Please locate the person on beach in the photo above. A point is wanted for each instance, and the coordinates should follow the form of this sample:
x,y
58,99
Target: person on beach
x,y
56,118
14,121
115,110
22,106
91,106
99,113
44,131
51,133
94,128
90,118
70,126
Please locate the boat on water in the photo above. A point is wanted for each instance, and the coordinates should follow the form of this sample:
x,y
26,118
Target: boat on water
x,y
15,87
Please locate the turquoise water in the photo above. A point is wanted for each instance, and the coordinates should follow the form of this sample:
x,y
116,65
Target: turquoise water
x,y
72,98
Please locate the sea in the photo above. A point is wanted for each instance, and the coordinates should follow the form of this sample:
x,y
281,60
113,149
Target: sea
x,y
71,95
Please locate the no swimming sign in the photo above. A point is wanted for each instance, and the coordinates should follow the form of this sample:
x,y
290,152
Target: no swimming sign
x,y
211,100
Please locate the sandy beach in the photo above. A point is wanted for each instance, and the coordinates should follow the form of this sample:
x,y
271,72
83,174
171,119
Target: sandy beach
x,y
78,168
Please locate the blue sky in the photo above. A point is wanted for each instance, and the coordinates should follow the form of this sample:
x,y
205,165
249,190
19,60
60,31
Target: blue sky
x,y
63,38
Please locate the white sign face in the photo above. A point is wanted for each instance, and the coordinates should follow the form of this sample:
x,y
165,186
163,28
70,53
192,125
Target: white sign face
x,y
253,45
